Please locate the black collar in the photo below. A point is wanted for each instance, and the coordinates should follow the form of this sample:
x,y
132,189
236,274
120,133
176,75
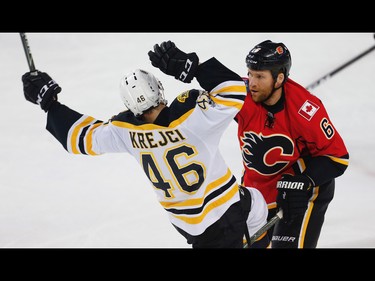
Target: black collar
x,y
277,107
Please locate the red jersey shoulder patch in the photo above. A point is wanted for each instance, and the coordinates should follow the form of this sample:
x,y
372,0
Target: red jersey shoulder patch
x,y
308,110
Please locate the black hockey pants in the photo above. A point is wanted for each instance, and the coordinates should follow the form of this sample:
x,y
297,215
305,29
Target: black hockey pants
x,y
303,232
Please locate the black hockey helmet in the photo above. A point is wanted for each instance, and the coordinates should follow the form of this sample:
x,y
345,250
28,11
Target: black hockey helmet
x,y
272,56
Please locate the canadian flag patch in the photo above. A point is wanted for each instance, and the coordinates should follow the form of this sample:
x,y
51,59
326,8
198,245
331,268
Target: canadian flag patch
x,y
308,109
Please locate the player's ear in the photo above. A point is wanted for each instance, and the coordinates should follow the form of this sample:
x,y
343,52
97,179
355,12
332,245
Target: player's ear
x,y
279,80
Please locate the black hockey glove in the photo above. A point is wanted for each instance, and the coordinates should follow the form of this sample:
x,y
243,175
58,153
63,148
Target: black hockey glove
x,y
40,88
172,61
293,196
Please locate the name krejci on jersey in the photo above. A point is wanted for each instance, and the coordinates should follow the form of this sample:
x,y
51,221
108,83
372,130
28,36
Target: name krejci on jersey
x,y
147,139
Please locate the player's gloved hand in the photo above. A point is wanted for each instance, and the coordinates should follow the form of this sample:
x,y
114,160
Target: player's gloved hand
x,y
172,61
293,196
40,88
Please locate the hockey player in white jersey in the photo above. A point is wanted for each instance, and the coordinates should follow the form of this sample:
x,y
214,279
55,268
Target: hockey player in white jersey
x,y
177,146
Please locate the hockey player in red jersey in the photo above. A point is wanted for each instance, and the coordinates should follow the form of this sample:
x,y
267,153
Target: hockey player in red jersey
x,y
176,145
291,150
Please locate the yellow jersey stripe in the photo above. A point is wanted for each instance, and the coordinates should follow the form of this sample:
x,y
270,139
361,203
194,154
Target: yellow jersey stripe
x,y
214,204
199,201
73,141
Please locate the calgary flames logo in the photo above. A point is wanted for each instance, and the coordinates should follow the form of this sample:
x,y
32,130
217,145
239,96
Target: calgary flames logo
x,y
266,154
279,50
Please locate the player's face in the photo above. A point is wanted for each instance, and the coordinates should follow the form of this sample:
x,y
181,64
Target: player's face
x,y
261,84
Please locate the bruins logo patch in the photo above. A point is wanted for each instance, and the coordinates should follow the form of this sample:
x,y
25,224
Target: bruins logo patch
x,y
182,97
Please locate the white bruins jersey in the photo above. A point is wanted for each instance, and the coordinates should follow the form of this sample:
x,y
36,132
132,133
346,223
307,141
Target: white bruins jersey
x,y
179,153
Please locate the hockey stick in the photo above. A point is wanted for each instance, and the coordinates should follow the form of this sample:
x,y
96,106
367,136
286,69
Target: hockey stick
x,y
338,69
265,227
26,48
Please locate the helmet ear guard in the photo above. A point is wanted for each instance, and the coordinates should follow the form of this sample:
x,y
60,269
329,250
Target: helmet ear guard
x,y
140,90
271,56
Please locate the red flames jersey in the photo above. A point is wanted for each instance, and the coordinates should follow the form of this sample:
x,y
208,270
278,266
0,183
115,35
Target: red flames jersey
x,y
277,139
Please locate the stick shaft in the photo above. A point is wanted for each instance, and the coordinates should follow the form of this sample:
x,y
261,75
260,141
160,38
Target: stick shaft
x,y
264,228
338,69
28,54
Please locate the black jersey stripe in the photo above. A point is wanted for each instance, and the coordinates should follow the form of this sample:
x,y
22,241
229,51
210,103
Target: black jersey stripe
x,y
207,200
